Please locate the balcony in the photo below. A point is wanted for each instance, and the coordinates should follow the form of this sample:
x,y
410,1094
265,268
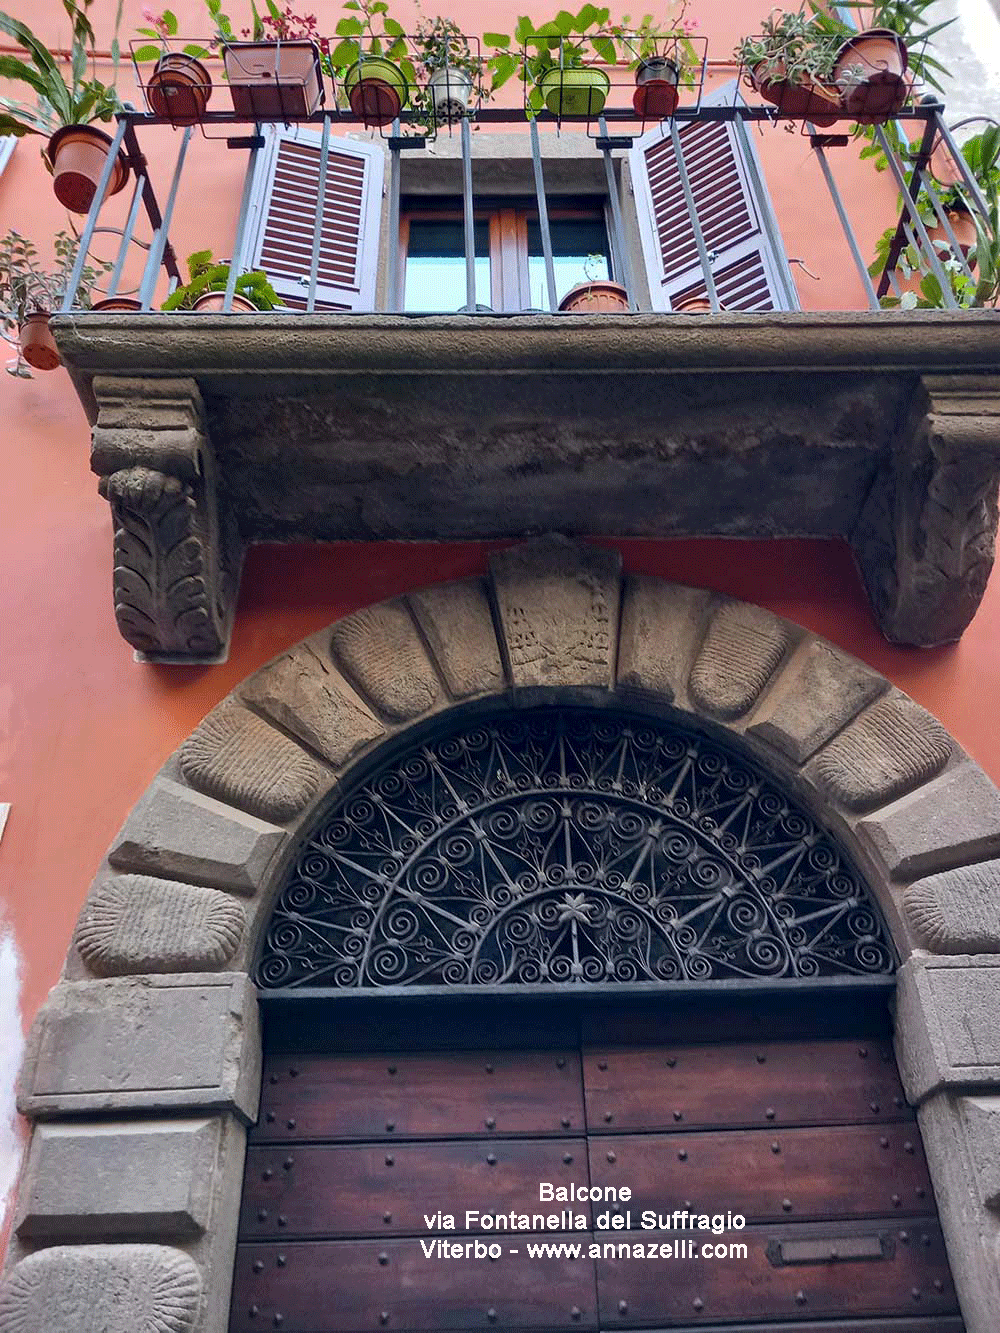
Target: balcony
x,y
705,401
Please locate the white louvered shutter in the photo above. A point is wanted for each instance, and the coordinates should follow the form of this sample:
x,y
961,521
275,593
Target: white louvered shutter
x,y
750,272
283,201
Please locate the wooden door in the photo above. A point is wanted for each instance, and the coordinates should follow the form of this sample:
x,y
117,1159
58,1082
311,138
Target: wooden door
x,y
357,1159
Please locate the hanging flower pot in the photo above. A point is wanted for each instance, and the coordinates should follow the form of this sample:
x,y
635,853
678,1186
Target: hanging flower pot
x,y
451,91
377,90
77,154
595,298
870,72
269,79
38,347
575,92
179,88
805,97
656,92
216,300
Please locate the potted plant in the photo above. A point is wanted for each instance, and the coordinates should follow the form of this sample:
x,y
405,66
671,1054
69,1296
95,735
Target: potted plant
x,y
372,57
453,75
65,111
596,296
30,292
790,62
206,287
179,86
662,57
558,62
275,71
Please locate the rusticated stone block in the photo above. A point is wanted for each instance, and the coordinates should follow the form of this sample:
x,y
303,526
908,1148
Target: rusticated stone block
x,y
380,650
101,1289
558,607
134,923
816,696
741,650
660,622
141,1178
456,622
957,911
236,757
946,1023
952,820
155,1043
890,749
179,832
306,695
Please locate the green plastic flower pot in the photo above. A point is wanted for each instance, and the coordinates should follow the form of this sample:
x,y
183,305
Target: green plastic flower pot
x,y
575,92
376,89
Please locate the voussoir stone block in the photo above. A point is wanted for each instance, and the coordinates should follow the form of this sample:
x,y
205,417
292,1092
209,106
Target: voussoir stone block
x,y
457,624
151,1043
660,623
185,834
306,695
94,1180
237,757
891,748
102,1289
135,923
819,692
380,650
558,608
739,654
948,1036
957,911
949,821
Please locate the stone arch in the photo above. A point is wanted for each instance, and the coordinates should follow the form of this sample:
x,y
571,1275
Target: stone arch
x,y
155,1015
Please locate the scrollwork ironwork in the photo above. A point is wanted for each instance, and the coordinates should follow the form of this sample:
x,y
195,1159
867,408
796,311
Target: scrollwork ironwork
x,y
569,846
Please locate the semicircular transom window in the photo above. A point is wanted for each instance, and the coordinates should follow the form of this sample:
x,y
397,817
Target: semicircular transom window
x,y
569,846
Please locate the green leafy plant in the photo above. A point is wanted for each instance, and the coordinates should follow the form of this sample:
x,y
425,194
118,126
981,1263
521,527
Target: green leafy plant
x,y
370,30
649,39
77,100
979,291
206,275
439,44
791,45
568,41
908,19
30,286
162,28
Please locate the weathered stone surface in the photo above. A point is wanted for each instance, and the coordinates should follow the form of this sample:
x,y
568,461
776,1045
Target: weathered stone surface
x,y
954,819
817,694
306,695
741,649
134,923
184,834
891,748
456,622
101,1289
155,1043
237,757
99,1181
380,650
957,911
660,624
948,1035
558,607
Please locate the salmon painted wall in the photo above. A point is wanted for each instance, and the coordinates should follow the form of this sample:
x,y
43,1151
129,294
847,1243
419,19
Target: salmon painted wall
x,y
84,728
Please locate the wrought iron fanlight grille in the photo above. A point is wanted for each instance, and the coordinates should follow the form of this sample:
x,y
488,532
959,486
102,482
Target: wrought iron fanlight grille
x,y
569,846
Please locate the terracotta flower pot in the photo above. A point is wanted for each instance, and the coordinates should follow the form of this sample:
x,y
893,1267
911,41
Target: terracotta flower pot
x,y
695,305
77,154
179,88
871,74
804,99
38,347
216,300
270,79
595,298
117,303
656,92
376,90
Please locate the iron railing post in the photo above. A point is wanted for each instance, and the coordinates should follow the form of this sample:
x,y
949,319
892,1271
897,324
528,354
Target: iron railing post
x,y
543,218
317,239
617,221
909,204
394,295
968,179
848,230
160,236
126,241
469,217
236,262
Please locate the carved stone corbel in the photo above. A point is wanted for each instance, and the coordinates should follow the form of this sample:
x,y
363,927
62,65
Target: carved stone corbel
x,y
926,536
175,558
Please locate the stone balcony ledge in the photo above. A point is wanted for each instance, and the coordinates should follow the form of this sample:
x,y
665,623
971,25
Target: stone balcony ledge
x,y
214,431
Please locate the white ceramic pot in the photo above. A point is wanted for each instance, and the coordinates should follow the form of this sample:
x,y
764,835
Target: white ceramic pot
x,y
450,90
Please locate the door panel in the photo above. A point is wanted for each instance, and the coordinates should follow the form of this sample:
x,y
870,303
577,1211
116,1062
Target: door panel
x,y
445,1095
390,1189
844,1171
742,1084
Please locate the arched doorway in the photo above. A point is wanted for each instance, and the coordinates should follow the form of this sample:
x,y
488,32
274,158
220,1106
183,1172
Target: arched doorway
x,y
544,953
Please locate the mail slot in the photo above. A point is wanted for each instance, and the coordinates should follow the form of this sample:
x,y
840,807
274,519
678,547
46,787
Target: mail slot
x,y
836,1249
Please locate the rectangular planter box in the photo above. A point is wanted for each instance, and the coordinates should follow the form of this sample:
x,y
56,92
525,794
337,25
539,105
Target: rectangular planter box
x,y
270,80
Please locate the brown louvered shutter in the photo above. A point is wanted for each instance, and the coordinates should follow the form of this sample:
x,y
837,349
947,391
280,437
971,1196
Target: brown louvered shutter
x,y
284,203
749,272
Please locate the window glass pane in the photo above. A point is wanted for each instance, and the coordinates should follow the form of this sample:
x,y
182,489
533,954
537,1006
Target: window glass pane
x,y
435,266
580,253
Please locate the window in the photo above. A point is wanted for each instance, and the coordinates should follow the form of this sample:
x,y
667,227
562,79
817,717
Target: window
x,y
510,262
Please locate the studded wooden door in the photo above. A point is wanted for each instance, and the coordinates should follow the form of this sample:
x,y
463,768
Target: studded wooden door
x,y
358,1158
